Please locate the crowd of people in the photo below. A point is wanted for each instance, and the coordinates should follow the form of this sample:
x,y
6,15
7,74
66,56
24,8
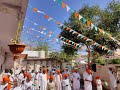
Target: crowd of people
x,y
49,79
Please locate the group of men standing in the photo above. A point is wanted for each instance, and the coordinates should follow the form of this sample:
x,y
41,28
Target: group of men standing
x,y
46,79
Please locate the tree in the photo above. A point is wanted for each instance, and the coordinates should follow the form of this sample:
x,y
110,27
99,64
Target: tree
x,y
94,14
60,56
42,46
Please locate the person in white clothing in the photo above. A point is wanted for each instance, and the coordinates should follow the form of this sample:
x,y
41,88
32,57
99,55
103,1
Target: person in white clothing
x,y
113,81
43,80
76,79
16,85
65,83
87,79
51,83
58,80
36,80
4,84
28,84
98,83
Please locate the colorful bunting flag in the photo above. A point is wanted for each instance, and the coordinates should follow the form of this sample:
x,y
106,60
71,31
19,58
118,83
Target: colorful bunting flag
x,y
68,8
46,16
63,5
76,14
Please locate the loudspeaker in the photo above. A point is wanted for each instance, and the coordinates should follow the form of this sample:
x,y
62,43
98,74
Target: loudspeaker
x,y
94,67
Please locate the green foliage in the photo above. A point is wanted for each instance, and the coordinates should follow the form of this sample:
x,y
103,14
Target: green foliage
x,y
107,19
101,60
61,56
115,61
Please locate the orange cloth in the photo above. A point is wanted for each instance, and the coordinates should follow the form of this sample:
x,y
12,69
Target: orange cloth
x,y
44,70
63,5
58,71
89,71
65,75
97,77
47,75
29,76
7,80
52,77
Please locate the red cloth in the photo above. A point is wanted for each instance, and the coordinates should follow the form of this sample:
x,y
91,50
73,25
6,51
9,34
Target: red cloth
x,y
65,75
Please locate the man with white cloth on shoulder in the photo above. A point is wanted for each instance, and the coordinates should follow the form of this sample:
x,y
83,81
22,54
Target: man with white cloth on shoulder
x,y
66,83
76,79
87,79
113,81
16,85
43,80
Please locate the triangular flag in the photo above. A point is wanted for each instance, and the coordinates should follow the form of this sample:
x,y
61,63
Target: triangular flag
x,y
50,18
59,2
100,30
84,20
39,11
74,32
80,17
68,8
35,9
35,24
95,28
78,35
57,22
76,14
46,16
88,23
68,28
92,26
63,5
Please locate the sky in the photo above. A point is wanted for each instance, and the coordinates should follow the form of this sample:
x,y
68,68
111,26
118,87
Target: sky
x,y
54,10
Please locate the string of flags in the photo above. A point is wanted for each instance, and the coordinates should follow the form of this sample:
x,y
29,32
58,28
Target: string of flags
x,y
84,20
74,32
75,45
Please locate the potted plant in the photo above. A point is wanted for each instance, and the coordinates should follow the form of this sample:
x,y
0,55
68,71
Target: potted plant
x,y
16,48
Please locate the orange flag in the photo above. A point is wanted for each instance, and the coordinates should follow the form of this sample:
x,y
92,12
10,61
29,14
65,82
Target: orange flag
x,y
57,22
88,23
41,27
85,38
35,9
76,14
68,28
63,5
46,16
100,30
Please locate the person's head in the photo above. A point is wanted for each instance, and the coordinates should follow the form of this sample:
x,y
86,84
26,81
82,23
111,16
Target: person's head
x,y
58,71
15,83
97,77
110,68
51,78
32,71
76,70
44,70
65,76
66,68
36,72
29,77
8,75
5,79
